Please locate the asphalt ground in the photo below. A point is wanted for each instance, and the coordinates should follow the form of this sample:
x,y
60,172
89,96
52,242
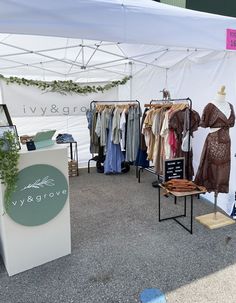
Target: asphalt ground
x,y
119,249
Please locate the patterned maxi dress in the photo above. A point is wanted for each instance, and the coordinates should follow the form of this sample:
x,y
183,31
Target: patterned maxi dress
x,y
214,168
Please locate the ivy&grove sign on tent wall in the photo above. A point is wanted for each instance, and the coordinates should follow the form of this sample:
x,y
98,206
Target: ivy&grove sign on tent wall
x,y
28,101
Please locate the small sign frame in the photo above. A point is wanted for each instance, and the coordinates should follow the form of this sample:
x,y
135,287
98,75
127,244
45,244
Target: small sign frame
x,y
5,118
231,39
174,169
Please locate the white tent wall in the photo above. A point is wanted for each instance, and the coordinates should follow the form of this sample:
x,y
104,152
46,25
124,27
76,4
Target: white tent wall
x,y
200,82
27,106
34,102
75,125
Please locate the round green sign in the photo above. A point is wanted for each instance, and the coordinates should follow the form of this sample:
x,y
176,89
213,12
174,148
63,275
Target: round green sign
x,y
42,191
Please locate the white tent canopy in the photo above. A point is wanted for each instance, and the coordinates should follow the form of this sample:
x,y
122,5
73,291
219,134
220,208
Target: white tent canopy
x,y
126,21
142,32
103,40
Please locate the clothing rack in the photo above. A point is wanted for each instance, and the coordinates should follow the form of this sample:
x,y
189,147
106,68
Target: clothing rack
x,y
93,103
170,102
111,102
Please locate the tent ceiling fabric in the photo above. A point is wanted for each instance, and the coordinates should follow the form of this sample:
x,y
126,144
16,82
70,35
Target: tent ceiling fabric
x,y
49,39
126,21
52,58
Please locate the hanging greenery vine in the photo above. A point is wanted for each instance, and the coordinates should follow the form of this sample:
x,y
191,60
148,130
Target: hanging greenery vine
x,y
65,87
9,156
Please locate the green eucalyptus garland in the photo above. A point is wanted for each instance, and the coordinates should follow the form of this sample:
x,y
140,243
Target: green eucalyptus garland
x,y
9,157
65,87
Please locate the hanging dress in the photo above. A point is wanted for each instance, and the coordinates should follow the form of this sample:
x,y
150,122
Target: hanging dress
x,y
177,123
214,168
141,159
114,156
133,133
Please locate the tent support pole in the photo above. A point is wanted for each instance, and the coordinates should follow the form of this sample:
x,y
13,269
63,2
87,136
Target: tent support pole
x,y
131,81
1,94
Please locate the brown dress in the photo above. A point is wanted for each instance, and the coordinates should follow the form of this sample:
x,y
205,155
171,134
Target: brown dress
x,y
214,168
176,122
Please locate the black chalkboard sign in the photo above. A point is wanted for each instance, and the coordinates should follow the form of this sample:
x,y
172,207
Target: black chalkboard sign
x,y
174,169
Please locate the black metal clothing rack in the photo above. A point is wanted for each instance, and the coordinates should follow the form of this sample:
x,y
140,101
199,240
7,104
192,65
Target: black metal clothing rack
x,y
93,103
92,106
170,101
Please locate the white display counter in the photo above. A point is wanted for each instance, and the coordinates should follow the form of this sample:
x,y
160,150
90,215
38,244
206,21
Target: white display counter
x,y
36,229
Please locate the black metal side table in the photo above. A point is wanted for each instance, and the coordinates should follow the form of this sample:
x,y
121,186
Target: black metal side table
x,y
177,195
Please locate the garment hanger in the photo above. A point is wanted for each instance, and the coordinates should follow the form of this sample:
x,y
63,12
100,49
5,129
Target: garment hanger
x,y
179,106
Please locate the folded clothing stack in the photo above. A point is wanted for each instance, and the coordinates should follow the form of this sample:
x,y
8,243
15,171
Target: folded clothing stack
x,y
182,185
26,138
64,138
